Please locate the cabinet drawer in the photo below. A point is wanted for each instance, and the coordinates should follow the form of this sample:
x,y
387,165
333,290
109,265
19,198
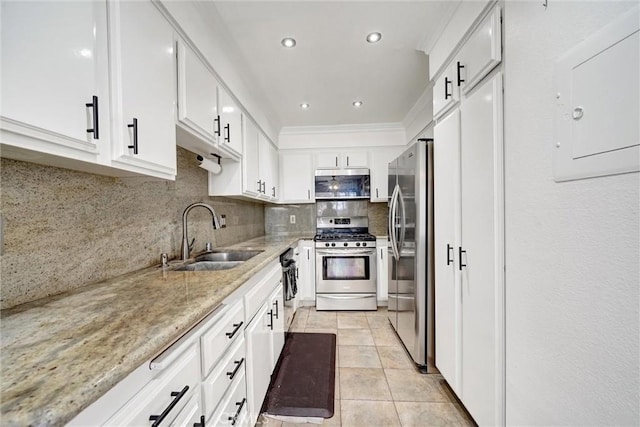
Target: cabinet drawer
x,y
234,408
172,386
259,293
220,336
481,53
191,414
231,367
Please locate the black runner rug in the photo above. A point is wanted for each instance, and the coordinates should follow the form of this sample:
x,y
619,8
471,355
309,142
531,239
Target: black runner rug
x,y
303,383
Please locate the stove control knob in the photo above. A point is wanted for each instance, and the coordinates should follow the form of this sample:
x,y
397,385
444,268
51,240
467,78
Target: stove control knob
x,y
364,244
326,244
358,244
333,244
346,244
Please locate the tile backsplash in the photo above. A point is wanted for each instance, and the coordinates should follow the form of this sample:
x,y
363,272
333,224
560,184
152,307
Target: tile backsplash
x,y
63,229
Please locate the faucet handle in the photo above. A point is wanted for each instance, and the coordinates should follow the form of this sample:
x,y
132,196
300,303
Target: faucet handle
x,y
191,244
208,247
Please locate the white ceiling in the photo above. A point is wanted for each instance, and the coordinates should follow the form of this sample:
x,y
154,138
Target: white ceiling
x,y
332,65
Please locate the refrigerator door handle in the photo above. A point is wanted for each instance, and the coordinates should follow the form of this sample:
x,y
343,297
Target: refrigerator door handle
x,y
403,221
392,222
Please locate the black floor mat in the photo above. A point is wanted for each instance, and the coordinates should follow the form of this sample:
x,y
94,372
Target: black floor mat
x,y
303,383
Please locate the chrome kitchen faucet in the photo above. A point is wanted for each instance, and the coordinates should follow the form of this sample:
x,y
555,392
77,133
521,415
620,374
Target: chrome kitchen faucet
x,y
186,246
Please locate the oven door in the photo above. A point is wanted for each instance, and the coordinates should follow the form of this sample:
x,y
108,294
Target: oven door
x,y
346,270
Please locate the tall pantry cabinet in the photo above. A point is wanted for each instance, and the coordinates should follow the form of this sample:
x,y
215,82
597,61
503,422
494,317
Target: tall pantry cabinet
x,y
469,224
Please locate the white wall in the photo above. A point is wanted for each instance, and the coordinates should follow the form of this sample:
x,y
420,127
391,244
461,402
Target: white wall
x,y
572,248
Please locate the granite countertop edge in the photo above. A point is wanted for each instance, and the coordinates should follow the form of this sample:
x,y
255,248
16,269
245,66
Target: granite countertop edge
x,y
60,354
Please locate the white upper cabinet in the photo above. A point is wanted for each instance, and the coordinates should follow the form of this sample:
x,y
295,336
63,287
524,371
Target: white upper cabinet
x,y
296,177
380,158
55,78
342,159
231,123
481,53
446,92
268,167
143,88
197,96
251,182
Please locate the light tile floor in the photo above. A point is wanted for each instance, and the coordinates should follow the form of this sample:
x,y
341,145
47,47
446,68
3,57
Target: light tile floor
x,y
376,382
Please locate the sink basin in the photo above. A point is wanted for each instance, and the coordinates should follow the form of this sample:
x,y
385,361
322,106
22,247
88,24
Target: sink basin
x,y
227,256
209,266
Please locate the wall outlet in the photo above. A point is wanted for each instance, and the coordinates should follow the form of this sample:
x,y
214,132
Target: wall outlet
x,y
292,219
223,221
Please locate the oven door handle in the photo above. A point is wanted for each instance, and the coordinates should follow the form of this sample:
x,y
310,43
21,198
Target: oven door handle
x,y
345,296
346,252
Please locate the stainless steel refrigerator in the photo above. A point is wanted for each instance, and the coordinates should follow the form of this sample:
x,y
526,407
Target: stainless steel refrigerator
x,y
411,289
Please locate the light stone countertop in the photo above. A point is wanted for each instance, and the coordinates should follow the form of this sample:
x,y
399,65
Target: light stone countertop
x,y
60,354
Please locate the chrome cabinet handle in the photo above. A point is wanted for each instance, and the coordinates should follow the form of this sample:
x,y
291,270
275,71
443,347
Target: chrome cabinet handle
x,y
134,125
95,130
157,419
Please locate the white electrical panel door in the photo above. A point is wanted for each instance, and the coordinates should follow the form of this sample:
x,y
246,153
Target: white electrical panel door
x,y
598,103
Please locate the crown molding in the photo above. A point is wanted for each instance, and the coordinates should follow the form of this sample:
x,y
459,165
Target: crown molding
x,y
369,127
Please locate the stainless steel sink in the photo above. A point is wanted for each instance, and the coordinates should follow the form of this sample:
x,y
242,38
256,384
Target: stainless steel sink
x,y
227,255
209,266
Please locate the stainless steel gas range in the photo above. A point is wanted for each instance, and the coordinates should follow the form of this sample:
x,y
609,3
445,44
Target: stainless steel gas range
x,y
345,257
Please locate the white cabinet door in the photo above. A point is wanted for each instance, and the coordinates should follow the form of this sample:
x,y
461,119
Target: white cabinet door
x,y
268,170
445,90
355,159
307,271
481,258
258,368
446,177
380,158
143,70
197,96
54,61
296,177
231,118
251,182
382,246
277,324
327,160
481,53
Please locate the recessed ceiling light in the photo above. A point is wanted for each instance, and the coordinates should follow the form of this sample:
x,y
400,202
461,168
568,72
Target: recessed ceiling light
x,y
304,106
288,42
374,37
357,104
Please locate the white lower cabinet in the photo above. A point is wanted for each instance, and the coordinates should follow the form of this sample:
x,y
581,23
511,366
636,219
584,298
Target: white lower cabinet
x,y
264,336
191,414
469,260
307,272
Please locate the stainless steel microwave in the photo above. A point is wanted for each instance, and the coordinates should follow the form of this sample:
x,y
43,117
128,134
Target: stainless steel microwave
x,y
342,184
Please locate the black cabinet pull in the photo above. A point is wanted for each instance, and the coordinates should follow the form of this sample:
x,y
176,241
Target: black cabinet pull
x,y
449,250
377,195
96,128
347,160
273,191
235,371
259,186
336,161
237,328
447,82
460,252
217,128
157,419
227,128
134,125
201,423
460,67
264,190
276,303
234,419
270,325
